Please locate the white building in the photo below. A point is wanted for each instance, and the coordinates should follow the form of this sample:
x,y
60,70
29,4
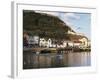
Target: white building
x,y
63,45
84,42
45,43
70,43
77,44
71,32
33,40
49,43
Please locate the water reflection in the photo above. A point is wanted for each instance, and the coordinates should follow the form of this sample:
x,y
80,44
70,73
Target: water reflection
x,y
49,60
77,59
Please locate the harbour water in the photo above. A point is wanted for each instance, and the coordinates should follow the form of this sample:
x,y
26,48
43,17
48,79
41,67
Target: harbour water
x,y
51,60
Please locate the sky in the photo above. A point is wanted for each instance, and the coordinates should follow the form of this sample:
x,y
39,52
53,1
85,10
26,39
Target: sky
x,y
79,22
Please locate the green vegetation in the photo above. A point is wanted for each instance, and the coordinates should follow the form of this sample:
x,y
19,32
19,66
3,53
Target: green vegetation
x,y
44,25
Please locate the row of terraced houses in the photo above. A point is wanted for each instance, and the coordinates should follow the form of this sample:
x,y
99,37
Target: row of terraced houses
x,y
76,40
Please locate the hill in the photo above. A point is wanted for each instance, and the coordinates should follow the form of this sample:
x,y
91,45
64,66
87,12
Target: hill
x,y
44,25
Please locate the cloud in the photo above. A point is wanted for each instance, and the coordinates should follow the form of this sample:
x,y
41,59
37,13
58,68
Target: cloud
x,y
66,17
72,16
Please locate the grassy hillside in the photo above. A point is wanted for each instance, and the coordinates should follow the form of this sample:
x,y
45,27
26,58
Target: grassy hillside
x,y
44,25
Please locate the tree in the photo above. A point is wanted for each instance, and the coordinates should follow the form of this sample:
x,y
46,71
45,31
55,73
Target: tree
x,y
44,25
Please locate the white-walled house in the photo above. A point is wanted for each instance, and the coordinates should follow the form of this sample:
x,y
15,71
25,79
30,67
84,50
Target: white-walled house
x,y
84,42
49,43
76,41
77,44
42,42
45,43
71,32
70,43
63,45
33,40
